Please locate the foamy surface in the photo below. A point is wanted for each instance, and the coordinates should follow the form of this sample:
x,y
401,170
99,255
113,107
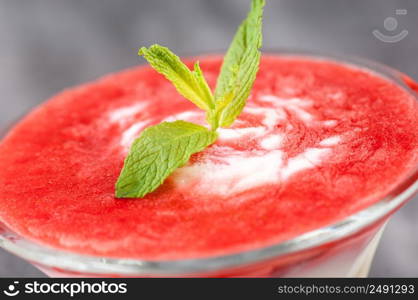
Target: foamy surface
x,y
225,170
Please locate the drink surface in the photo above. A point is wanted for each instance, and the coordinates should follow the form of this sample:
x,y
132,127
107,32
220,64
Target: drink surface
x,y
317,141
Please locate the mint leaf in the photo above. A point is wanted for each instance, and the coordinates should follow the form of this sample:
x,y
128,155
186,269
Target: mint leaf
x,y
158,151
240,65
190,84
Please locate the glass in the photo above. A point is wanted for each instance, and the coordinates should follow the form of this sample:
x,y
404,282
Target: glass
x,y
343,249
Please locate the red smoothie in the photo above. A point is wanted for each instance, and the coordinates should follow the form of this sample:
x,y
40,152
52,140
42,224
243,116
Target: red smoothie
x,y
317,142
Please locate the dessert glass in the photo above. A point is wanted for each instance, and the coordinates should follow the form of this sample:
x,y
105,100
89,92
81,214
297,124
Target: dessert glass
x,y
343,249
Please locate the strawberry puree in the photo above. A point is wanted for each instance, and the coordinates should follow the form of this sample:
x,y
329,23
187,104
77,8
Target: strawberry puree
x,y
316,142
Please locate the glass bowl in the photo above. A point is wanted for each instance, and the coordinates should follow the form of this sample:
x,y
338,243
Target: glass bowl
x,y
345,248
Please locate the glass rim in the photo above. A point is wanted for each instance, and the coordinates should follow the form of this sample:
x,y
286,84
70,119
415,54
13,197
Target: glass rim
x,y
73,262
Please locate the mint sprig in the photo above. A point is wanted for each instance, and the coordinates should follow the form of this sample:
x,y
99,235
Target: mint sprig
x,y
162,148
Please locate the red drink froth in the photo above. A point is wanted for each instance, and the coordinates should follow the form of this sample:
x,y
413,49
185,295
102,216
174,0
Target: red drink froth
x,y
317,142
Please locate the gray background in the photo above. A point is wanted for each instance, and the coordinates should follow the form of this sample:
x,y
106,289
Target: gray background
x,y
49,45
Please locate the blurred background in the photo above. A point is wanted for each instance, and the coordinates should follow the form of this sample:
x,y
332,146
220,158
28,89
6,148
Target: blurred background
x,y
49,45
